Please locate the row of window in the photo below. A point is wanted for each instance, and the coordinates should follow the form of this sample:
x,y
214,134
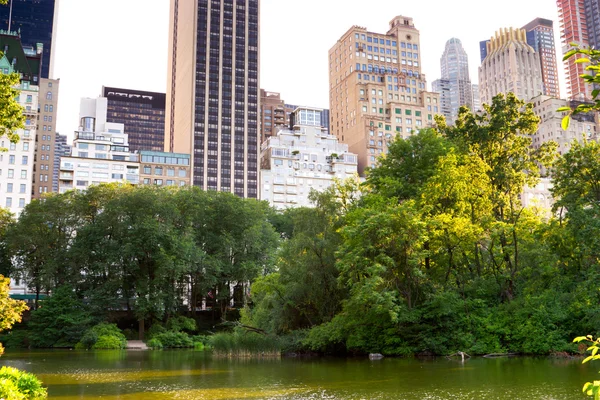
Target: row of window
x,y
9,202
159,171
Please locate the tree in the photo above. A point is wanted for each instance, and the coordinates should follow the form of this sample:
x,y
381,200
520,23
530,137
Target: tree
x,y
11,112
501,137
10,309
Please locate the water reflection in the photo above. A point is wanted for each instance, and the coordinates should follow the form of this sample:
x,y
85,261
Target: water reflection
x,y
136,375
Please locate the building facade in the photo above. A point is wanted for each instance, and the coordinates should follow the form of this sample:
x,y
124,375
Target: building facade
x,y
297,160
164,169
100,152
16,163
575,29
540,36
455,86
35,22
377,90
45,141
511,65
212,107
582,126
272,114
476,98
142,113
61,149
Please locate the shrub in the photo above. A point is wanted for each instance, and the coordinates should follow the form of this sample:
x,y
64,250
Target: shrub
x,y
103,330
154,330
181,323
19,385
15,339
154,344
199,346
171,340
108,342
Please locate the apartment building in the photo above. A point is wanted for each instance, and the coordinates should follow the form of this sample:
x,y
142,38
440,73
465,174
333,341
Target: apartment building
x,y
377,90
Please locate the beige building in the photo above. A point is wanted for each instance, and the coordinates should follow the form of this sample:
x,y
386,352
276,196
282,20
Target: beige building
x,y
43,168
377,90
164,169
511,65
581,126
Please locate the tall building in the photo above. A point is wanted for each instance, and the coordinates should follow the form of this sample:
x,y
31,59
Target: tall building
x,y
61,149
16,163
142,114
592,16
476,98
575,29
34,20
511,65
377,90
456,89
212,92
45,142
296,161
540,36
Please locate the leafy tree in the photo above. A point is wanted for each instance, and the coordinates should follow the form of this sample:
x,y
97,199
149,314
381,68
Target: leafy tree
x,y
11,112
61,320
10,309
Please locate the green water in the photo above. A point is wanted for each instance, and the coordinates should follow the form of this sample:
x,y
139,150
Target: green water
x,y
137,375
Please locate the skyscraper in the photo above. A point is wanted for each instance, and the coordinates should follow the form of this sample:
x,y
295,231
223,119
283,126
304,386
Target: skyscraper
x,y
511,65
454,65
142,113
45,147
574,22
377,90
592,16
540,36
212,92
34,20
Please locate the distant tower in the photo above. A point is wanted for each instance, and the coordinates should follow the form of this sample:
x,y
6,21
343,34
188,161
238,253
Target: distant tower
x,y
540,36
455,81
580,23
34,20
511,65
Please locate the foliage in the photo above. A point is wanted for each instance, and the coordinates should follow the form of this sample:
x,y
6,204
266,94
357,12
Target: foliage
x,y
591,57
154,344
102,335
12,117
244,344
171,340
108,342
10,309
181,323
591,388
19,385
61,321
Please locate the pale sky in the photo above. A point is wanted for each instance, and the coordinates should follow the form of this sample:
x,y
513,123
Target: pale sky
x,y
123,43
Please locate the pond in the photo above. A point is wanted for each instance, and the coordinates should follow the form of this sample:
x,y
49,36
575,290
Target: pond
x,y
189,375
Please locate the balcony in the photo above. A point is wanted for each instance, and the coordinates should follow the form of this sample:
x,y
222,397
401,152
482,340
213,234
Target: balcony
x,y
67,166
67,176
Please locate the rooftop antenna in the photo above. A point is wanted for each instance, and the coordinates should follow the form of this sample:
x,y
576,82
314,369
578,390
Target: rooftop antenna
x,y
10,15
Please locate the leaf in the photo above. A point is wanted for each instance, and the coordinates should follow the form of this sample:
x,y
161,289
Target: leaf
x,y
563,109
579,339
566,122
582,60
586,386
587,359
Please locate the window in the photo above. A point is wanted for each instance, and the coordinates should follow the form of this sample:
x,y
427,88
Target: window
x,y
158,182
11,159
9,188
23,174
24,160
49,96
13,146
26,146
408,112
170,171
9,202
147,170
11,173
22,188
182,173
158,171
146,181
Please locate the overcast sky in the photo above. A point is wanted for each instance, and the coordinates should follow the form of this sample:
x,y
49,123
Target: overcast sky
x,y
123,43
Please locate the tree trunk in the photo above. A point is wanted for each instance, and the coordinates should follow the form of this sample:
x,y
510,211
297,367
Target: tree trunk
x,y
141,329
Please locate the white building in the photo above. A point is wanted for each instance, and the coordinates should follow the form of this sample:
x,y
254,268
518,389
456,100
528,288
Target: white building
x,y
295,161
550,128
100,152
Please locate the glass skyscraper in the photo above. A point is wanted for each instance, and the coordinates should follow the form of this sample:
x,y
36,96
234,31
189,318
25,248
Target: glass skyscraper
x,y
212,92
34,19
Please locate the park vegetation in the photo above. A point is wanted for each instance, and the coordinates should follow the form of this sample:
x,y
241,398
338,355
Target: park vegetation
x,y
434,253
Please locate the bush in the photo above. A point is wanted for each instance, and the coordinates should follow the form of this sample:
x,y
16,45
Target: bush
x,y
199,346
103,331
154,330
181,323
19,385
154,344
106,342
172,340
16,339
